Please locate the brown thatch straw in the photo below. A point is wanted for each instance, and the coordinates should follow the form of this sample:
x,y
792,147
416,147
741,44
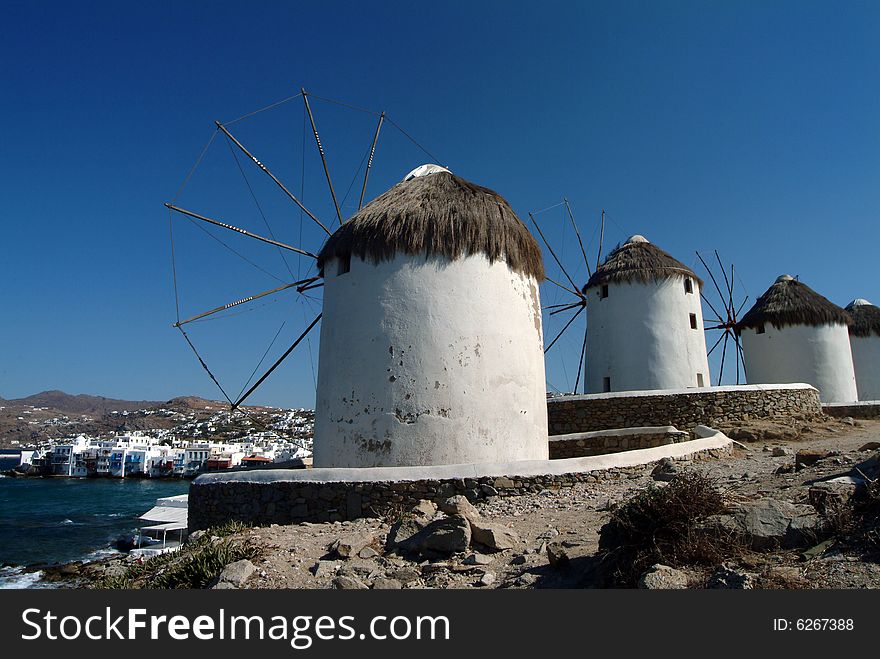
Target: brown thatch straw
x,y
790,302
639,261
437,215
866,319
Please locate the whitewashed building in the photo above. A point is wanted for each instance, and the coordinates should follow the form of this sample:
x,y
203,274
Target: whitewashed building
x,y
431,344
864,339
644,322
793,334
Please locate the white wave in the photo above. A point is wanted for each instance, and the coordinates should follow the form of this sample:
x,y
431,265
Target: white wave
x,y
16,577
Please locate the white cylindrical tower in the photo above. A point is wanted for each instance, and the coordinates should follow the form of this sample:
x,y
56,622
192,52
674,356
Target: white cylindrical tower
x,y
793,334
864,339
644,322
431,345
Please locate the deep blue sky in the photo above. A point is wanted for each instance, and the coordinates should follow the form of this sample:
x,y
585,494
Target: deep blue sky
x,y
750,127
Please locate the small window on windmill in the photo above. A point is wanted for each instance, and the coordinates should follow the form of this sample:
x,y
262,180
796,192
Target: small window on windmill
x,y
688,285
759,329
699,379
603,292
693,321
344,265
606,384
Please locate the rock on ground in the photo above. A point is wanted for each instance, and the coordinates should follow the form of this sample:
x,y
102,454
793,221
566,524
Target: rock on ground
x,y
663,577
236,574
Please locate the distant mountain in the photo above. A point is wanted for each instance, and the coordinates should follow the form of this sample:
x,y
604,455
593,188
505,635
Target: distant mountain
x,y
80,403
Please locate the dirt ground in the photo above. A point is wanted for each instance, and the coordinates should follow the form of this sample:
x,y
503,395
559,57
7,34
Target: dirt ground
x,y
300,556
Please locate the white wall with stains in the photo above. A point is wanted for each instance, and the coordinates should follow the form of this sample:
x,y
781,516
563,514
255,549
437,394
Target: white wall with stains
x,y
819,356
640,336
424,361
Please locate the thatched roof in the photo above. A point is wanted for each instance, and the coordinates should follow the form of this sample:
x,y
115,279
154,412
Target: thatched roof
x,y
866,318
790,302
641,261
437,214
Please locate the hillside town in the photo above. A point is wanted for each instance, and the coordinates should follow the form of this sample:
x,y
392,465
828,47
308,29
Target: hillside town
x,y
182,443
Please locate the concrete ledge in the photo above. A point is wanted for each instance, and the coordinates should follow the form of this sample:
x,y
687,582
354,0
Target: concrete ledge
x,y
863,409
319,495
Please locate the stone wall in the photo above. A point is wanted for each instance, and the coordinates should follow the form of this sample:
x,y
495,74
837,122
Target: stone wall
x,y
861,410
683,408
261,502
602,442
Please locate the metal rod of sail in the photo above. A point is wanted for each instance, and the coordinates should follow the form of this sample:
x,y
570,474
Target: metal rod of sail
x,y
601,240
565,288
714,310
370,160
243,300
578,233
277,363
736,352
711,276
243,232
272,176
567,308
555,258
323,155
581,364
723,355
742,357
709,354
571,320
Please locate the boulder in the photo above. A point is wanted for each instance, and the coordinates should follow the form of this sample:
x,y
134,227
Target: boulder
x,y
769,524
459,506
557,556
665,470
404,530
870,446
445,536
384,583
235,574
405,574
348,583
477,559
349,546
424,508
663,577
809,457
780,451
830,496
729,578
492,535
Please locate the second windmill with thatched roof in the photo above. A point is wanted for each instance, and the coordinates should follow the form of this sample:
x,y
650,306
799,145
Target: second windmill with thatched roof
x,y
645,327
793,334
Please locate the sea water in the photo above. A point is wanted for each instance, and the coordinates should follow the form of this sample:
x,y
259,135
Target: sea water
x,y
58,520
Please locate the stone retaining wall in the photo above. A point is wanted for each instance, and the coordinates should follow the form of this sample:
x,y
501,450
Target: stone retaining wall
x,y
602,442
683,408
213,502
861,410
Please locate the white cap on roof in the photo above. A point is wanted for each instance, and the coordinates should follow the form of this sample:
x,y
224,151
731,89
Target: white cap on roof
x,y
784,278
858,302
637,239
425,170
